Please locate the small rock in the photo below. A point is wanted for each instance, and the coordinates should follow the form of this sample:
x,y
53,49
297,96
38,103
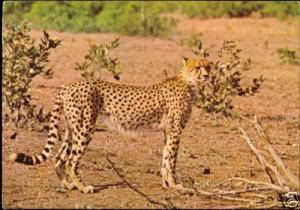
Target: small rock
x,y
252,173
14,135
206,170
117,77
192,156
149,171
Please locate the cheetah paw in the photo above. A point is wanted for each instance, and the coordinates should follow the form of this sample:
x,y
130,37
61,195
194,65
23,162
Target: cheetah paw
x,y
70,186
88,189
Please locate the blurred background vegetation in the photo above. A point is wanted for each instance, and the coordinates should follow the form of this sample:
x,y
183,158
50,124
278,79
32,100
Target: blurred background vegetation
x,y
133,18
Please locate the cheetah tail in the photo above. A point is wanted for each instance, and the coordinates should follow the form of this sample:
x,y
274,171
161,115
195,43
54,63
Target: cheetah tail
x,y
52,138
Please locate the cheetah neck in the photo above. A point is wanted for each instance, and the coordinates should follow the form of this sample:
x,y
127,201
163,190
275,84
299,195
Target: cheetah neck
x,y
187,79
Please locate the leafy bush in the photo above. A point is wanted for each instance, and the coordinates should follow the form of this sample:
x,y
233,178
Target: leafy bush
x,y
22,61
287,55
280,9
213,9
191,41
64,16
224,80
14,11
98,59
133,18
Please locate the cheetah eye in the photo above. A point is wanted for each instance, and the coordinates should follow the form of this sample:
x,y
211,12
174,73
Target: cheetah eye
x,y
198,67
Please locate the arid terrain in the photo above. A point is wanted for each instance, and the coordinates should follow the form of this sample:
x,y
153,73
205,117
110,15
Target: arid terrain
x,y
207,142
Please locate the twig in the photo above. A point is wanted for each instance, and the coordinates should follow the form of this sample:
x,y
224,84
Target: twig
x,y
262,161
291,177
211,194
235,192
259,158
255,186
270,185
150,200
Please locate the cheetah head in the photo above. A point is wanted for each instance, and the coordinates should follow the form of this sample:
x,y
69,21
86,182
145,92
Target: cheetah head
x,y
195,70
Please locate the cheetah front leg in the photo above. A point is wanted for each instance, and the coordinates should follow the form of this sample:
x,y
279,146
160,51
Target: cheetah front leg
x,y
170,151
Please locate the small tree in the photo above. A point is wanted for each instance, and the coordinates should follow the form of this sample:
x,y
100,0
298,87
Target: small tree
x,y
99,59
22,61
224,80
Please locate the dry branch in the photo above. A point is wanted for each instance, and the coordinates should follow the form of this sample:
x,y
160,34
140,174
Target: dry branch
x,y
267,185
223,196
234,195
263,163
250,203
254,188
135,189
291,177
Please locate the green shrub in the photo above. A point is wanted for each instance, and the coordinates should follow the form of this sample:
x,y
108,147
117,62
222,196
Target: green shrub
x,y
287,55
280,9
134,18
14,11
99,59
191,41
22,61
224,81
213,9
64,16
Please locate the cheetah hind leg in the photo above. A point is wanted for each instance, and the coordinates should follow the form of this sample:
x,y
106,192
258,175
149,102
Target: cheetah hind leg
x,y
80,140
71,170
72,163
60,171
60,160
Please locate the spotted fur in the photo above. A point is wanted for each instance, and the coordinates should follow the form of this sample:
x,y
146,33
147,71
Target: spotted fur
x,y
166,106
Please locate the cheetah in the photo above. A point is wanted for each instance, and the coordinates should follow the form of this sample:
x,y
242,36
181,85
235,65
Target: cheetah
x,y
165,106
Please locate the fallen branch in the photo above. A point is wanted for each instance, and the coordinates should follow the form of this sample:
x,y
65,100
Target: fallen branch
x,y
232,195
291,177
263,163
251,203
254,188
149,199
236,192
266,184
223,196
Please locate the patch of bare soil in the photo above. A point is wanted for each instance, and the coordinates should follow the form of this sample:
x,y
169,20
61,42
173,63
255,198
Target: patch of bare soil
x,y
205,143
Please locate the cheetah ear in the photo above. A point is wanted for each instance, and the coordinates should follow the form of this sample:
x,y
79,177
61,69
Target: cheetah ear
x,y
184,60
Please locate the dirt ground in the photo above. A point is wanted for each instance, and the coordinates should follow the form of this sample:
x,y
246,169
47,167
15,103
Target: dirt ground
x,y
206,142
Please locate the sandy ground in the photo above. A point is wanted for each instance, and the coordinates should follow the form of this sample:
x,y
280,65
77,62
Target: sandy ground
x,y
205,143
